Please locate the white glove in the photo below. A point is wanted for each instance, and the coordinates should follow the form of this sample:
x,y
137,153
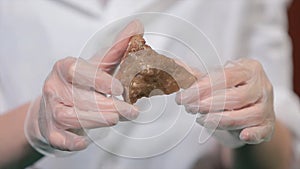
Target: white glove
x,y
79,94
243,102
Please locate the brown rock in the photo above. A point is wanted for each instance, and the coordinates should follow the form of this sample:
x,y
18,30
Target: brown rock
x,y
144,73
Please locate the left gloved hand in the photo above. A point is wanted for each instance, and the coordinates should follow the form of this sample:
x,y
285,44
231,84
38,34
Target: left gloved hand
x,y
79,95
243,103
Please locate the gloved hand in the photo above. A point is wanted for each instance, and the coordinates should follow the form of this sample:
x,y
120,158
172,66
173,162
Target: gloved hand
x,y
79,94
242,102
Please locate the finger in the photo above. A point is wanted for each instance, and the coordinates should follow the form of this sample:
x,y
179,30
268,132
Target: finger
x,y
124,110
93,101
57,90
230,99
193,94
236,76
71,118
203,88
233,120
242,96
90,120
221,79
215,103
257,134
66,141
86,75
89,75
116,52
192,70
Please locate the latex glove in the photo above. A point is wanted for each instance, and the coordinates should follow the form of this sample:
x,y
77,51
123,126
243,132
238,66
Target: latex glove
x,y
79,94
242,102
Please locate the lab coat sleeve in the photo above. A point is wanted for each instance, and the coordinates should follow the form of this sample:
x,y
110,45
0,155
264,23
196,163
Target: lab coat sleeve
x,y
2,101
270,44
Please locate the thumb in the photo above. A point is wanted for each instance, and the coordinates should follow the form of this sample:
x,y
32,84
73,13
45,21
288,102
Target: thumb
x,y
114,55
194,71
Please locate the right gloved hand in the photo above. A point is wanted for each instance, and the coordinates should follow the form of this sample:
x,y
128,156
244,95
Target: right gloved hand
x,y
79,94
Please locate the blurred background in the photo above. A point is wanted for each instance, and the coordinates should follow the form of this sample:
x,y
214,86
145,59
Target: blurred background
x,y
294,30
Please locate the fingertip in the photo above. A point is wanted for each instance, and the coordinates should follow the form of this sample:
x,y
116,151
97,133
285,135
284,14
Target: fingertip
x,y
117,87
192,109
250,137
112,120
80,143
107,84
244,136
178,98
127,111
136,27
187,96
201,120
135,108
135,113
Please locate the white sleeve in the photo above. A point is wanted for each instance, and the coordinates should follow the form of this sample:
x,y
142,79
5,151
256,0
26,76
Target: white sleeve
x,y
269,43
2,100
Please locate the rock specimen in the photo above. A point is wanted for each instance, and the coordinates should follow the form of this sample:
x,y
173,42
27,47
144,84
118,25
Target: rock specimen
x,y
144,73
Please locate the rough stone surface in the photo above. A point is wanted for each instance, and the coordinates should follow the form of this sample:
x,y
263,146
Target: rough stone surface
x,y
144,73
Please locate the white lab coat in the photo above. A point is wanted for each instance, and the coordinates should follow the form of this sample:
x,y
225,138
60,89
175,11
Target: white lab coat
x,y
36,33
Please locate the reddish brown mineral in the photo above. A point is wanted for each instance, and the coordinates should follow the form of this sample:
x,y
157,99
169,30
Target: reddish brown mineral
x,y
144,73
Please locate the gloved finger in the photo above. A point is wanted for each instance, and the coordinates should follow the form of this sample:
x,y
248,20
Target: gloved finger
x,y
193,94
233,120
86,75
71,118
57,90
115,53
257,134
192,70
66,141
93,101
202,89
229,99
236,76
211,104
220,79
242,96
